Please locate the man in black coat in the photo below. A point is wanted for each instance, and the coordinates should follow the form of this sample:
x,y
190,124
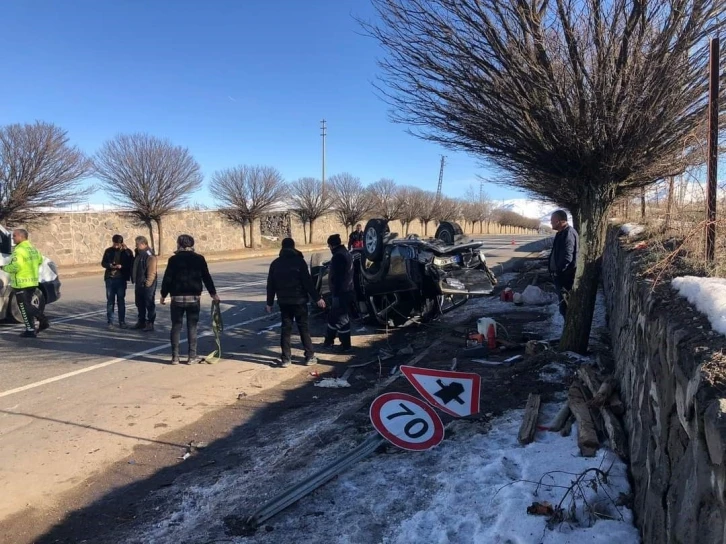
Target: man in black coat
x,y
289,280
340,281
355,240
118,261
185,273
563,258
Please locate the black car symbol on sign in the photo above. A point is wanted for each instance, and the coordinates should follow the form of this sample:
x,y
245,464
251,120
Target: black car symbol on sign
x,y
450,392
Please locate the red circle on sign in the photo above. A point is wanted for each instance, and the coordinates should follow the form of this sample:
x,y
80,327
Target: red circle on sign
x,y
416,421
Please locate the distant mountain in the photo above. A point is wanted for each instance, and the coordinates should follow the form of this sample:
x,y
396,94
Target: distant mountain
x,y
534,209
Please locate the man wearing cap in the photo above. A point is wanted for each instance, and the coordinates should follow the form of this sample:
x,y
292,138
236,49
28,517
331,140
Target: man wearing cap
x,y
340,281
143,276
118,260
289,280
185,273
563,258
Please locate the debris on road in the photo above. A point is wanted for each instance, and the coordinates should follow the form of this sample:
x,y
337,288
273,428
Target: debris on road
x,y
408,350
332,383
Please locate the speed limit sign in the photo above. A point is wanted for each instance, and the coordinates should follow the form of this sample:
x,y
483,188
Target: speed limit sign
x,y
406,421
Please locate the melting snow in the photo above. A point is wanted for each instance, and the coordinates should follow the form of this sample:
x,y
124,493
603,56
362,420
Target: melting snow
x,y
708,295
631,229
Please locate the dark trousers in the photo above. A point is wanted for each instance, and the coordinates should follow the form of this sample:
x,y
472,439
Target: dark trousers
x,y
116,297
178,311
299,314
28,310
339,320
563,286
146,303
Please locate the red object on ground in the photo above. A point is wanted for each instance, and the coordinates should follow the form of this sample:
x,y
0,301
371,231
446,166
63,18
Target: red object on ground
x,y
491,337
514,243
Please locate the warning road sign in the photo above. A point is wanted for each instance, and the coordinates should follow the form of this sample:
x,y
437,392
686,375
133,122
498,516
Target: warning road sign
x,y
406,421
456,393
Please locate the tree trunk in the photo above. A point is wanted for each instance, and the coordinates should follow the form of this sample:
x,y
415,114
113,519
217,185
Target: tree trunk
x,y
305,233
150,224
244,235
581,303
310,232
642,203
158,227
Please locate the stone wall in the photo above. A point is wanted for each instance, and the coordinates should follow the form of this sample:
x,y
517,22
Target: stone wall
x,y
79,238
676,419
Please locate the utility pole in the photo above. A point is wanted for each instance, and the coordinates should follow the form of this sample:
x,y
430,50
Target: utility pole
x,y
323,133
712,151
441,178
481,190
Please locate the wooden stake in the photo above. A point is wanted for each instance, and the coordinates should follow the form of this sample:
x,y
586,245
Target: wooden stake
x,y
529,423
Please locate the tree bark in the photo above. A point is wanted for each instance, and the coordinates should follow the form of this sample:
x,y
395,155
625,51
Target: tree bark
x,y
150,225
310,232
158,228
642,203
586,434
244,235
528,428
305,232
669,204
581,303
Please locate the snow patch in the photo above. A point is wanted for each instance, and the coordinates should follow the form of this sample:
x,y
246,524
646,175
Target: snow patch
x,y
534,295
632,229
554,373
332,383
708,295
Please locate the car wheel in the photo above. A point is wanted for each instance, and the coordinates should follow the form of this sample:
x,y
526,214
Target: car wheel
x,y
375,231
448,231
38,303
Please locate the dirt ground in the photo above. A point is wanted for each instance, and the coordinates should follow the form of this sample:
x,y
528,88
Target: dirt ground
x,y
267,441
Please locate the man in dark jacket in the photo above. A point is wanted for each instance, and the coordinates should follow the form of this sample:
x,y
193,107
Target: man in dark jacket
x,y
118,260
340,281
289,279
355,241
563,258
185,273
143,276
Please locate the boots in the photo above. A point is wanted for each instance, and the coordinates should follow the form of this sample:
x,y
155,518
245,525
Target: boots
x,y
344,342
329,341
139,325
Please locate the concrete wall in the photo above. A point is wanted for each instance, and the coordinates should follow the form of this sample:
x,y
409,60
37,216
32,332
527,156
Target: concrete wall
x,y
676,420
80,238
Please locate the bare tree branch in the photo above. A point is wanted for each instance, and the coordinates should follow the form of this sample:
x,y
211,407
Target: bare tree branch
x,y
149,176
38,169
245,193
408,198
582,101
308,202
385,199
351,201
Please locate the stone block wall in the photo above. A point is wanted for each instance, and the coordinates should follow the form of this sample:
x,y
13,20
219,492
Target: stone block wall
x,y
79,238
664,354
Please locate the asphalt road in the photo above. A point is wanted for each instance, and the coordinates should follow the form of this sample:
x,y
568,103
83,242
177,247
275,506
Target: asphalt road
x,y
81,397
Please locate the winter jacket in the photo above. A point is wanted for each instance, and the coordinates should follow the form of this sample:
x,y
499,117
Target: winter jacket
x,y
112,256
24,267
289,279
143,273
340,275
355,240
563,257
185,273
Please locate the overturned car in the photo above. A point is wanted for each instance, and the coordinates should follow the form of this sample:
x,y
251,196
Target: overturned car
x,y
397,279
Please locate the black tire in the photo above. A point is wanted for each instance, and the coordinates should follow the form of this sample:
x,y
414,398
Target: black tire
x,y
375,231
38,302
448,231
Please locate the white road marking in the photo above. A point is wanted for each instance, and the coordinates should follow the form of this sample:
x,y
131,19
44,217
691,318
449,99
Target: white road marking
x,y
121,359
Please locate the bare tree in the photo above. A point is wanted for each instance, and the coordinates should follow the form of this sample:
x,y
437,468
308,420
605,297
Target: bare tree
x,y
580,101
385,199
447,209
150,176
479,207
427,206
246,193
308,202
38,169
351,201
408,198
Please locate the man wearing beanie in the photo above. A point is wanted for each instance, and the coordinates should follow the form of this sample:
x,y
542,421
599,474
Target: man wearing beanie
x,y
289,280
340,280
118,260
185,273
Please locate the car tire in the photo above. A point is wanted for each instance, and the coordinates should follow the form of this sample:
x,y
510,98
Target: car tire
x,y
373,235
448,232
38,302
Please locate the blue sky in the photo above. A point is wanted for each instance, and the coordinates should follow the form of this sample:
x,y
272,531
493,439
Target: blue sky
x,y
237,82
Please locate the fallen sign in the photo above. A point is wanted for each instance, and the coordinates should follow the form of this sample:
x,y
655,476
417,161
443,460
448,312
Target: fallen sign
x,y
406,421
456,393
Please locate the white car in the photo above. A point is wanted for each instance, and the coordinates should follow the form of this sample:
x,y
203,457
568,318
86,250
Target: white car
x,y
48,289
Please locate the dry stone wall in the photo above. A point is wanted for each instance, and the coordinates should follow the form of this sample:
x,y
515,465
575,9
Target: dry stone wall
x,y
79,238
676,420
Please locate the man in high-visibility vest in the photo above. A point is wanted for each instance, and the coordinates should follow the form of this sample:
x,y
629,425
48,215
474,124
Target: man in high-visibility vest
x,y
24,271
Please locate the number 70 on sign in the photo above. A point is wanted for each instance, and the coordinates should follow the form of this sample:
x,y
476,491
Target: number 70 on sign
x,y
406,421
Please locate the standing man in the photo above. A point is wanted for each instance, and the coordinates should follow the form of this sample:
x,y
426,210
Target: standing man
x,y
340,280
24,271
289,279
563,258
118,260
355,241
185,273
143,276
